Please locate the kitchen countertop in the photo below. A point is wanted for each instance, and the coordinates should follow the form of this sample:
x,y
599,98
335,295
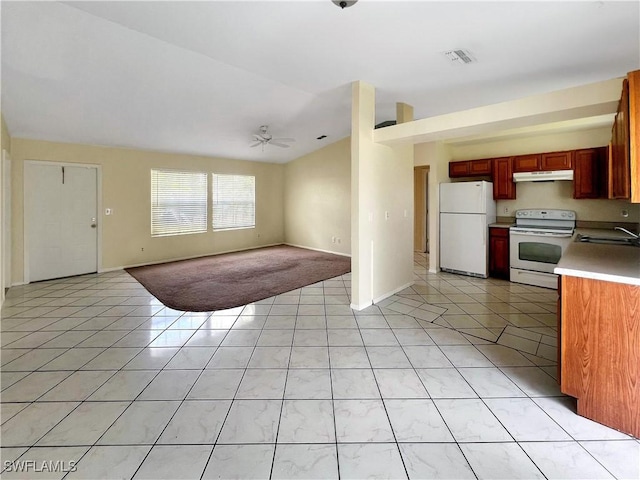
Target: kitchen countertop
x,y
501,225
610,263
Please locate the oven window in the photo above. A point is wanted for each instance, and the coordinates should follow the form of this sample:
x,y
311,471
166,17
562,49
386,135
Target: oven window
x,y
539,252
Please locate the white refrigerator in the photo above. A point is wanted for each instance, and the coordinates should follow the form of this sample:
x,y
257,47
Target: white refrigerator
x,y
466,210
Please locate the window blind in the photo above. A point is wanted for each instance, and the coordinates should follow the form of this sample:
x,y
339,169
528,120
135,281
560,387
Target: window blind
x,y
233,201
178,202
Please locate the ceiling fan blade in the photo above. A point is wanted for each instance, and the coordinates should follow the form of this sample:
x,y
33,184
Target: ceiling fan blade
x,y
283,139
283,145
258,138
255,144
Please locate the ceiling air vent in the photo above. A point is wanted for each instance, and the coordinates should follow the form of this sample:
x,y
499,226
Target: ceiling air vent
x,y
459,56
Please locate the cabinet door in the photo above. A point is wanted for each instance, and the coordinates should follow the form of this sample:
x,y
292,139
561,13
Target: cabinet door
x,y
499,253
480,167
556,161
503,186
458,169
526,163
586,175
619,165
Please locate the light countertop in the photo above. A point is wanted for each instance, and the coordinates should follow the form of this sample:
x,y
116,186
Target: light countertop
x,y
501,225
610,263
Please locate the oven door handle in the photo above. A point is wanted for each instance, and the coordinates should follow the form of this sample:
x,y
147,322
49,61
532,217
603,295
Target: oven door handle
x,y
541,235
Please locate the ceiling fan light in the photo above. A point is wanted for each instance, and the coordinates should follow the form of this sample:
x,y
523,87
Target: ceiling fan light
x,y
344,4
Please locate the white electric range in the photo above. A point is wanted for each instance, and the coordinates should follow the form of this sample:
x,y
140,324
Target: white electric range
x,y
536,244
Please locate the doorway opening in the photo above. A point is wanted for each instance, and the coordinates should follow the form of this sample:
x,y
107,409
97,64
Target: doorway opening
x,y
421,215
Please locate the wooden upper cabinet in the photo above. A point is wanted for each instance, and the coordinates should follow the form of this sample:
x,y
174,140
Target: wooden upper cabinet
x,y
458,169
503,186
634,134
480,167
556,161
542,162
589,169
624,149
526,163
619,158
470,168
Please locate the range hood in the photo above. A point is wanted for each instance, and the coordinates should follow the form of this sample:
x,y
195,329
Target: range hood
x,y
543,176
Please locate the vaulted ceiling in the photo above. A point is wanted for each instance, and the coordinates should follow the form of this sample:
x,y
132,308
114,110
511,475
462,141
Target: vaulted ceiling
x,y
201,77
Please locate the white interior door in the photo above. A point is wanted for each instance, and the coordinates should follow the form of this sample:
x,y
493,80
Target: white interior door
x,y
60,220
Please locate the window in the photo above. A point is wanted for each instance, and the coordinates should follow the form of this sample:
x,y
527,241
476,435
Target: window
x,y
178,202
234,201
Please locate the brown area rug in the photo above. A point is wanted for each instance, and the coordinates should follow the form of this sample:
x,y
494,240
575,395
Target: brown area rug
x,y
233,279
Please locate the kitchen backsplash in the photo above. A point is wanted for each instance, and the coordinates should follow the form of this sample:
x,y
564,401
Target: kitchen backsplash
x,y
559,195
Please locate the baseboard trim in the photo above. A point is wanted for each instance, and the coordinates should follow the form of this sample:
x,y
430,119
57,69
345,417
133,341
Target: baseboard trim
x,y
393,292
113,269
318,250
360,307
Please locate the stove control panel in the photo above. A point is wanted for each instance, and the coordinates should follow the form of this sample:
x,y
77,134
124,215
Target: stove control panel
x,y
546,214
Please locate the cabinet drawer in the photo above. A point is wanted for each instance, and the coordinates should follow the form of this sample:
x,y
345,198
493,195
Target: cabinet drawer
x,y
499,232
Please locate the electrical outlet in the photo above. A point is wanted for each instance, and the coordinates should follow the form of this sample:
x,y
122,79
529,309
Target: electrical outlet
x,y
108,211
505,210
386,215
333,239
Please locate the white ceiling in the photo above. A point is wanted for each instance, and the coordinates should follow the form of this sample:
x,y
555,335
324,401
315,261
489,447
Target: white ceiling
x,y
201,77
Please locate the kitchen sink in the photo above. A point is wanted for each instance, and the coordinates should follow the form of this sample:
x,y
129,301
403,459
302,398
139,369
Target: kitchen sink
x,y
631,242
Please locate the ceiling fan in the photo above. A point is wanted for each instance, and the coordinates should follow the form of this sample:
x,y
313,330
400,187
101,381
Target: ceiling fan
x,y
265,138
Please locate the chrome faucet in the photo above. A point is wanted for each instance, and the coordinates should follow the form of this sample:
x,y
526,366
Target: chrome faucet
x,y
634,235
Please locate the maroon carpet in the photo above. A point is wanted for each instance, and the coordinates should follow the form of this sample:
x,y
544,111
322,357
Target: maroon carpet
x,y
233,279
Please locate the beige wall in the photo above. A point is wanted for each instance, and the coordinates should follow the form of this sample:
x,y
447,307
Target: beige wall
x,y
317,199
5,144
551,194
126,190
381,183
437,156
597,137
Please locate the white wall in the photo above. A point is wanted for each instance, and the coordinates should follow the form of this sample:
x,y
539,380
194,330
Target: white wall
x,y
317,199
381,208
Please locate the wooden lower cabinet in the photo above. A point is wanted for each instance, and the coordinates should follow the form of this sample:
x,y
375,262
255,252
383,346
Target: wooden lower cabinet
x,y
499,253
600,350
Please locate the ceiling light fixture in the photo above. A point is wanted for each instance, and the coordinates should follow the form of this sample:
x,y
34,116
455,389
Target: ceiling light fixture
x,y
344,4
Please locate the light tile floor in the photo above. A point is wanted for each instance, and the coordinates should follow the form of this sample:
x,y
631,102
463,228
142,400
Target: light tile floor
x,y
452,378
